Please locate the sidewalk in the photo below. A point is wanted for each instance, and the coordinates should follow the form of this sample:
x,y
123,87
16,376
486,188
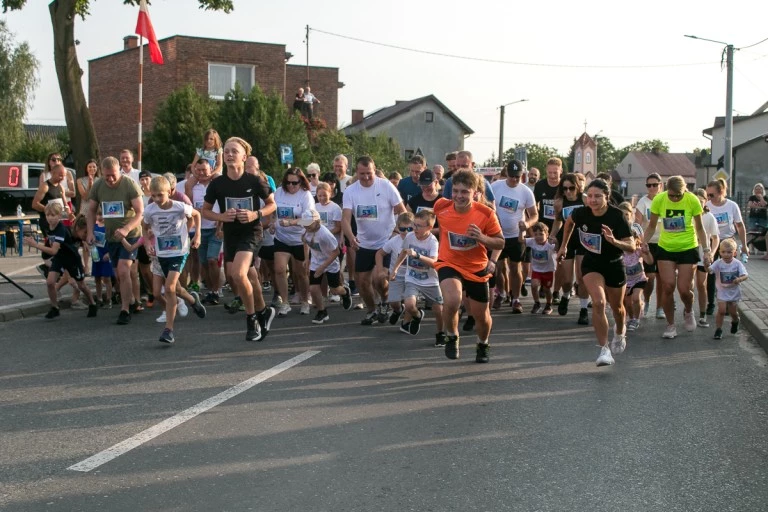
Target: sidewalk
x,y
14,304
754,304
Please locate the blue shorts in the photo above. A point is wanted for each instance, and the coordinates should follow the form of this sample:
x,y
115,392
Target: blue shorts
x,y
172,264
102,269
210,246
118,252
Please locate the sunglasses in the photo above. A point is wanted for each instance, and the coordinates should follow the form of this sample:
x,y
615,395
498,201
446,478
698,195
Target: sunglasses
x,y
651,185
292,182
55,159
674,196
312,175
569,189
403,230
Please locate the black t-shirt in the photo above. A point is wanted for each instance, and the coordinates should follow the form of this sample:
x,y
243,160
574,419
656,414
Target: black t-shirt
x,y
588,228
615,198
758,212
568,208
243,193
67,243
418,202
544,194
54,192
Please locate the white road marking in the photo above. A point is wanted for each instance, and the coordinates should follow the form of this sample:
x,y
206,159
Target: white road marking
x,y
21,270
129,444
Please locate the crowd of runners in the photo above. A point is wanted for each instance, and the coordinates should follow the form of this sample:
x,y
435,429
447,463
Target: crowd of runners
x,y
445,241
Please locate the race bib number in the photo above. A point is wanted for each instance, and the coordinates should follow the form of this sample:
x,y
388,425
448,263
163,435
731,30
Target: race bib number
x,y
101,238
198,205
591,242
167,244
419,275
635,269
419,208
728,277
285,212
239,203
324,218
459,242
673,224
508,203
722,219
367,212
549,211
112,209
568,210
538,255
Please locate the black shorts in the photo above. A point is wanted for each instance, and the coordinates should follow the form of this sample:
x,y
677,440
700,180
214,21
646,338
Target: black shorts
x,y
639,285
365,260
235,244
689,257
334,279
297,251
142,256
172,264
515,251
474,290
613,272
72,264
267,252
652,268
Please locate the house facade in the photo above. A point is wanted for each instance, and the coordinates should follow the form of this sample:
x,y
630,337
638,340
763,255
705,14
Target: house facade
x,y
750,165
212,66
637,165
585,156
423,126
745,128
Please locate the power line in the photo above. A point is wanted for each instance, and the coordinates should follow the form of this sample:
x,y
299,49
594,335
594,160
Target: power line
x,y
750,46
515,63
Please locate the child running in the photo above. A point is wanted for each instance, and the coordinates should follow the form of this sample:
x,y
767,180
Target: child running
x,y
62,246
101,268
543,254
384,258
168,221
636,279
420,249
729,272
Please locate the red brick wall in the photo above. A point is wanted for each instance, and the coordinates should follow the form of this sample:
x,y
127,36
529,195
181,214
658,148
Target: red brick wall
x,y
325,85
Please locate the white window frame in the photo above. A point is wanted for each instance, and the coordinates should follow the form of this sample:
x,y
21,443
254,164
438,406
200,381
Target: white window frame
x,y
233,68
588,157
578,157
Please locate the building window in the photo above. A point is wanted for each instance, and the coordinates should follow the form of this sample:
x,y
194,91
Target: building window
x,y
223,77
588,157
430,117
578,157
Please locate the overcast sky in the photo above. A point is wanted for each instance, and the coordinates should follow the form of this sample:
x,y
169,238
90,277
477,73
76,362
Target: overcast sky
x,y
624,68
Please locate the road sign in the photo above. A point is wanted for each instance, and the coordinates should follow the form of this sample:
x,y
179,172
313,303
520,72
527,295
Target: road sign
x,y
720,174
286,154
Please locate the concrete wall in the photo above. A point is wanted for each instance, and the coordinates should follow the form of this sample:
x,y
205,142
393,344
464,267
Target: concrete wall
x,y
750,167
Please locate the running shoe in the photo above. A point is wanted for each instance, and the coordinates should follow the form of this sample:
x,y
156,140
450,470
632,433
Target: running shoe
x,y
197,305
181,307
497,301
304,309
333,298
452,346
346,299
211,299
194,287
469,324
405,327
52,313
690,321
734,327
369,318
78,305
395,316
266,286
93,309
555,297
710,309
718,334
352,287
382,313
162,318
562,308
415,326
619,342
703,322
633,324
605,358
265,320
646,307
483,353
535,309
321,317
283,310
517,308
167,336
670,332
440,339
547,310
660,314
106,304
124,318
583,317
252,329
523,291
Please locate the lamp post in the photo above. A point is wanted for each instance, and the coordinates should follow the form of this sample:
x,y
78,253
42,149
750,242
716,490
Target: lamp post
x,y
501,129
728,150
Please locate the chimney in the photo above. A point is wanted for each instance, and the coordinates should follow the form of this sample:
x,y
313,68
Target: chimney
x,y
357,116
130,42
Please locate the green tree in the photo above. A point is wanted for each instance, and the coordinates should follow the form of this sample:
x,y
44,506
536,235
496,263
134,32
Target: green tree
x,y
36,147
63,15
384,150
18,79
326,145
180,121
645,146
538,154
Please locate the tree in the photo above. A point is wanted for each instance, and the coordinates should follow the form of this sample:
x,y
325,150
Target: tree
x,y
537,154
384,150
63,13
645,146
18,79
35,147
180,121
326,145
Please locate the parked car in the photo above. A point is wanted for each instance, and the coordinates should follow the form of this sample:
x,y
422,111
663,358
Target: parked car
x,y
18,185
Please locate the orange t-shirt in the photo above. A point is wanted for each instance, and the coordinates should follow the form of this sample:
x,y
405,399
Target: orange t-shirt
x,y
457,250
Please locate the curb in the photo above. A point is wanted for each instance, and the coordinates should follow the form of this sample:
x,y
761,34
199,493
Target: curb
x,y
29,309
755,325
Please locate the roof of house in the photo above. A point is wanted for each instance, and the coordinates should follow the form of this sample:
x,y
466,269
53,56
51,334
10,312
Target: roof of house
x,y
720,120
44,130
666,164
381,115
584,140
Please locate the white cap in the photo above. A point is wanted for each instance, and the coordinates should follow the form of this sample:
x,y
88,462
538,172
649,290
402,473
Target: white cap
x,y
308,217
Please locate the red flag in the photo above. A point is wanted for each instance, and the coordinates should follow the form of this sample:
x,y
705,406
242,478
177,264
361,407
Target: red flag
x,y
144,28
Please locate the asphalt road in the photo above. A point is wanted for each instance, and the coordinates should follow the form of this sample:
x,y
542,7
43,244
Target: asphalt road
x,y
378,420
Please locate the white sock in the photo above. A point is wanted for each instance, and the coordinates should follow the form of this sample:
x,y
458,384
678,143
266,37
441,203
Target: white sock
x,y
567,295
584,302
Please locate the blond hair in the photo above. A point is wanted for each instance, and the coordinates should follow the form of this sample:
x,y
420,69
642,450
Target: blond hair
x,y
720,184
237,140
676,184
54,208
159,184
728,244
405,218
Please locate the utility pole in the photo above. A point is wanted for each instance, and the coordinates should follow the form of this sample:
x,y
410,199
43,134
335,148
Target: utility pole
x,y
501,129
307,41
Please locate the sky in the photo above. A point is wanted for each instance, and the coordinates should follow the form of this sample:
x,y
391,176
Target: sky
x,y
628,72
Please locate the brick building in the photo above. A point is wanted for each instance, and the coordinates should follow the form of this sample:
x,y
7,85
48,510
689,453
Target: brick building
x,y
212,65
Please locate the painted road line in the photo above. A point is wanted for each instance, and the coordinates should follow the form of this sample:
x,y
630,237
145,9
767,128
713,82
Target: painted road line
x,y
129,444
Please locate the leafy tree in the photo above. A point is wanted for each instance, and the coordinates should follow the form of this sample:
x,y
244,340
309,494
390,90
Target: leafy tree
x,y
35,147
645,146
18,79
538,154
63,14
384,150
326,145
180,121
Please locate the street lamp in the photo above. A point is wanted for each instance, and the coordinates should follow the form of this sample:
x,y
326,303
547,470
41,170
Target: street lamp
x,y
728,150
501,129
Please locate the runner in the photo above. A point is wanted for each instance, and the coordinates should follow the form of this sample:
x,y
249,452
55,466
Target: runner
x,y
545,192
654,185
713,235
604,235
467,231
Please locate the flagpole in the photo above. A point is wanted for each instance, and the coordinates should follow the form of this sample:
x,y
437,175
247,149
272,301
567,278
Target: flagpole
x,y
141,84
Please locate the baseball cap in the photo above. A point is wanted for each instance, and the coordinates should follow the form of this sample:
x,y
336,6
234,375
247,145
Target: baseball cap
x,y
426,177
308,217
515,168
145,174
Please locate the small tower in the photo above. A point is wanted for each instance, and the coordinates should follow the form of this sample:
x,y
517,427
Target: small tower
x,y
585,156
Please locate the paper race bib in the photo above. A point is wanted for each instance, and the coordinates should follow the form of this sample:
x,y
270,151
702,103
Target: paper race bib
x,y
198,205
538,255
239,203
167,244
285,212
459,242
634,269
508,203
591,242
112,209
568,210
324,218
673,224
728,277
549,211
366,212
722,219
101,238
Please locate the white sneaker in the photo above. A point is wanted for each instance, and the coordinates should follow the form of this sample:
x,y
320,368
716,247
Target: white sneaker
x,y
162,318
294,299
619,342
181,307
660,313
670,332
605,358
633,324
334,298
690,321
283,309
304,309
703,322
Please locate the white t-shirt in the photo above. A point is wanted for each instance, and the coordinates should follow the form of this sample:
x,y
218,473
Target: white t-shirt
x,y
710,229
419,273
726,216
170,228
330,216
726,273
511,203
133,174
542,256
290,206
643,207
393,246
343,182
198,196
268,239
321,244
373,208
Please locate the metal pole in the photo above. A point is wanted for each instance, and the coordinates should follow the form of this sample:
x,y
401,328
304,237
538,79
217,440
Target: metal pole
x,y
501,136
307,55
728,160
141,83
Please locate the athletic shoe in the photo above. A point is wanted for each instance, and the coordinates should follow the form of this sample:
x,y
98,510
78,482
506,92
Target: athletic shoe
x,y
304,309
646,307
469,324
405,327
266,286
690,321
167,336
124,318
106,305
162,318
321,317
660,314
194,287
197,305
346,300
52,313
547,310
265,320
619,342
562,308
497,301
440,339
43,270
483,353
718,334
416,323
710,309
352,287
78,305
181,307
703,322
452,346
382,313
253,330
211,299
555,297
234,306
583,317
93,309
633,324
734,327
333,298
369,318
517,308
283,310
670,332
395,316
535,309
523,291
605,358
527,280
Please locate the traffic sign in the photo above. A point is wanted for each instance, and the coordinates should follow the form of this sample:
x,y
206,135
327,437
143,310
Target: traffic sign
x,y
721,174
286,154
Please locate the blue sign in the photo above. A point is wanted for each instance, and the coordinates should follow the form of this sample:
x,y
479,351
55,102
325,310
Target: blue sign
x,y
286,154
